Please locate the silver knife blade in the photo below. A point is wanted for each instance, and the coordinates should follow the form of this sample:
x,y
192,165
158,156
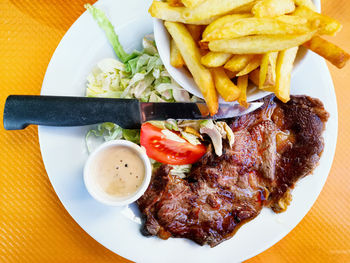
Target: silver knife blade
x,y
230,111
192,111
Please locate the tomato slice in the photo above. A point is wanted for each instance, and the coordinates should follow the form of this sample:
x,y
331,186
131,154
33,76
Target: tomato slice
x,y
164,150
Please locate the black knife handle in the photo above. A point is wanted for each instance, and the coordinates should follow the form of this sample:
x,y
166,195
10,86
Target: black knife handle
x,y
22,110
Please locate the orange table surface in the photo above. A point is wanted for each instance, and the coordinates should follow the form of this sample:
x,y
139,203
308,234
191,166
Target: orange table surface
x,y
34,226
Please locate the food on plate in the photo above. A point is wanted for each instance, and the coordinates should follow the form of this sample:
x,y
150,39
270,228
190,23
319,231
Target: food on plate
x,y
272,8
325,24
259,44
209,9
143,76
258,26
167,12
211,177
215,59
192,3
273,148
176,59
284,67
329,51
195,31
169,147
190,53
118,171
238,62
267,71
248,37
221,22
242,84
225,87
252,64
175,3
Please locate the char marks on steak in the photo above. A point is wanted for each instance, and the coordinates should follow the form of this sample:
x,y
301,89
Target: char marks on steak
x,y
274,147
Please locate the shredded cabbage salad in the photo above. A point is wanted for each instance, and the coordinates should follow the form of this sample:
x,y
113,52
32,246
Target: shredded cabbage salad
x,y
142,75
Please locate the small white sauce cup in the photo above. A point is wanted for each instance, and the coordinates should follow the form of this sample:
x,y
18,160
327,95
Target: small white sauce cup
x,y
90,180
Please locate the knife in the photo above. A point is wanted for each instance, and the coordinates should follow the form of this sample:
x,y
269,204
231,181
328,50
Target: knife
x,y
23,110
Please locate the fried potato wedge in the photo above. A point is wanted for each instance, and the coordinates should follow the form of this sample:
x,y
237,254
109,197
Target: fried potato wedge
x,y
326,25
176,59
192,3
267,74
254,63
259,44
334,54
272,8
308,3
254,77
225,87
242,84
164,11
175,3
215,59
195,31
257,26
221,22
210,8
284,69
238,62
190,53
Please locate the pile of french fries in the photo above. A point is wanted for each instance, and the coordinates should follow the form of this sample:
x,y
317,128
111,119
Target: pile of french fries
x,y
226,43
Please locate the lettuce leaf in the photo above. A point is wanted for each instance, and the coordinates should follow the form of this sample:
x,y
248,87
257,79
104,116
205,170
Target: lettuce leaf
x,y
102,20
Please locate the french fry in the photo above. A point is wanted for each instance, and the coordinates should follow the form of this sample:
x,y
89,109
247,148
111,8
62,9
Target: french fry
x,y
242,84
215,59
284,69
195,31
292,19
212,8
203,52
164,11
326,25
267,72
176,59
308,3
190,53
254,77
272,8
225,87
334,54
219,23
259,44
175,2
247,8
257,26
238,62
230,74
192,3
254,63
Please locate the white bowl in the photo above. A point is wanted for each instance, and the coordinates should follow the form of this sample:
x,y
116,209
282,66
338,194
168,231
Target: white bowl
x,y
184,78
99,194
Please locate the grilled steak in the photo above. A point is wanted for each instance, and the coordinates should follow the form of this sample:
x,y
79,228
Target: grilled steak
x,y
274,147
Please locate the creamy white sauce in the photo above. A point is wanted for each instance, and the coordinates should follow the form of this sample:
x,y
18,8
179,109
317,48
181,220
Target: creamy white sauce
x,y
118,171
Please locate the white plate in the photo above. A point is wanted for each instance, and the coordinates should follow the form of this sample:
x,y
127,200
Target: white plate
x,y
64,152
